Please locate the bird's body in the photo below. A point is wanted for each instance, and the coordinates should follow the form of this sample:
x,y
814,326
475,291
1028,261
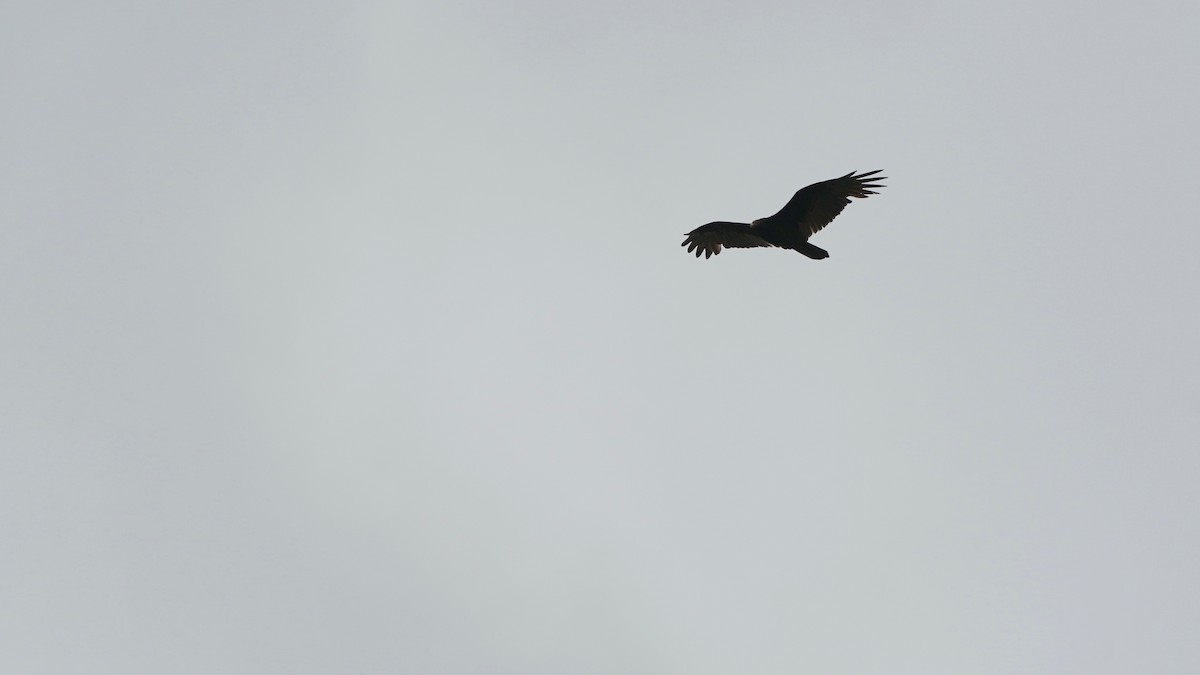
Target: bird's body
x,y
810,210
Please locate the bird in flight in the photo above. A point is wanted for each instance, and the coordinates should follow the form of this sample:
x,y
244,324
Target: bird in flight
x,y
808,212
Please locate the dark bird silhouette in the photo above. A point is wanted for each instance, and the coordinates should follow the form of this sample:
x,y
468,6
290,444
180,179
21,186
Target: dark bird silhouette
x,y
810,210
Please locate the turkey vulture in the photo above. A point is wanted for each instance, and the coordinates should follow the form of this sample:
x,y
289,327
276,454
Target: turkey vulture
x,y
810,210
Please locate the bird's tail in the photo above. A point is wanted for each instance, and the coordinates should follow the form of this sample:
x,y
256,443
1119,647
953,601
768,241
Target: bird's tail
x,y
814,252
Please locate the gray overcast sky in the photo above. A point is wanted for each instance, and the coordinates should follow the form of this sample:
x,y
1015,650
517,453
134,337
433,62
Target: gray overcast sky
x,y
357,338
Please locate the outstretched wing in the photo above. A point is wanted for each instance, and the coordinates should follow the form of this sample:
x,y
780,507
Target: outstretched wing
x,y
708,239
815,206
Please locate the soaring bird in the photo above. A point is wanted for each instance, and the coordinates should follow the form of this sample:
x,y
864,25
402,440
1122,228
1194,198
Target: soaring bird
x,y
810,210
